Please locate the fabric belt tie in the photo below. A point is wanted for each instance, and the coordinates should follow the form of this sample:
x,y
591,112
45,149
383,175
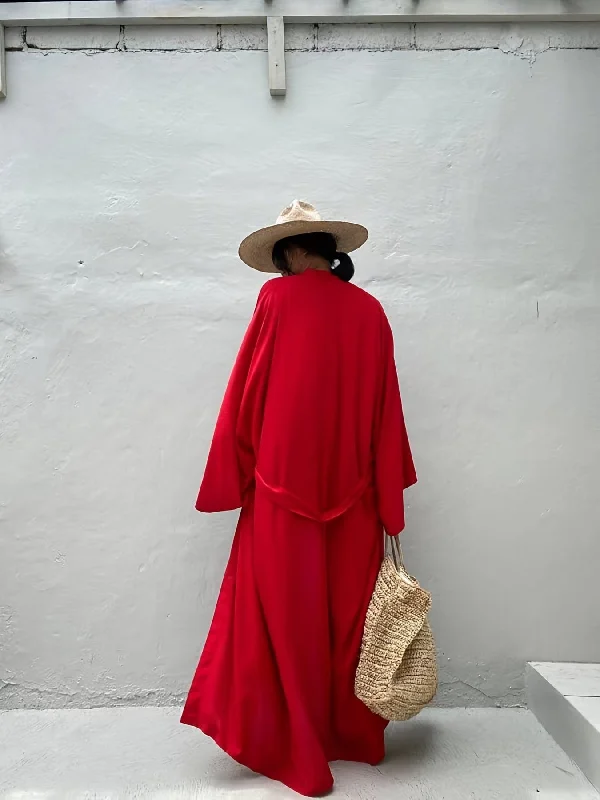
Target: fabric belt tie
x,y
291,502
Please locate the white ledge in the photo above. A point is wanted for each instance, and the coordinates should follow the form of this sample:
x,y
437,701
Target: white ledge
x,y
146,12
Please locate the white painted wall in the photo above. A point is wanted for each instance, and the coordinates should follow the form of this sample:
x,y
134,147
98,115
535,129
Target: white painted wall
x,y
126,182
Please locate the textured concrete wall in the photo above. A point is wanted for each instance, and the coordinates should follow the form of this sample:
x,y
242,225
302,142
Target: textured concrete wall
x,y
127,180
526,40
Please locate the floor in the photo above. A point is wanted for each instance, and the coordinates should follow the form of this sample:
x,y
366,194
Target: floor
x,y
109,754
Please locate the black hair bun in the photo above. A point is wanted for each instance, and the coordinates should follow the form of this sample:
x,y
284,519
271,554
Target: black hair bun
x,y
342,267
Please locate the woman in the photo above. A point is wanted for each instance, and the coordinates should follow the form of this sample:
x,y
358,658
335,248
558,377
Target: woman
x,y
310,443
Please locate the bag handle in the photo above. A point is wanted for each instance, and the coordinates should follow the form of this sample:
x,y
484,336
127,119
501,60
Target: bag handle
x,y
395,551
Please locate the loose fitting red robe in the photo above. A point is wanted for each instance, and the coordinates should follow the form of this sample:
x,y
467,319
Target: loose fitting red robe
x,y
311,444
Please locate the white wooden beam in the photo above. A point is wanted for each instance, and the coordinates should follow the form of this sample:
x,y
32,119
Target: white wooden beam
x,y
276,39
2,64
109,12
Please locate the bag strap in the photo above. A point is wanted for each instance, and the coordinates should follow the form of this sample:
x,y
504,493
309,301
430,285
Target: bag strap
x,y
394,548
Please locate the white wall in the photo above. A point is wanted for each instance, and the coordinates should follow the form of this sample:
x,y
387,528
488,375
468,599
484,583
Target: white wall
x,y
126,182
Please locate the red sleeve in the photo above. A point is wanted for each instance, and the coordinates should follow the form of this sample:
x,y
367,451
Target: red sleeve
x,y
394,468
229,468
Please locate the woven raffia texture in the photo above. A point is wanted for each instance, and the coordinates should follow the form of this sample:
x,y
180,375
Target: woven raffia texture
x,y
397,671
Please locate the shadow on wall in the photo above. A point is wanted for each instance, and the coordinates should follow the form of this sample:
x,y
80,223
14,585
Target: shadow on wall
x,y
7,268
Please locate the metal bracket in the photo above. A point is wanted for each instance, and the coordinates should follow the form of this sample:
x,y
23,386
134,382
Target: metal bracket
x,y
2,64
276,42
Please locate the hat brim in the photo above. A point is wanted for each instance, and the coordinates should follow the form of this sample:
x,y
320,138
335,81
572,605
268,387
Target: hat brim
x,y
256,250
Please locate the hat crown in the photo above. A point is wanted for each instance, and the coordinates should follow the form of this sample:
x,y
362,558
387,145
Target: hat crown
x,y
299,211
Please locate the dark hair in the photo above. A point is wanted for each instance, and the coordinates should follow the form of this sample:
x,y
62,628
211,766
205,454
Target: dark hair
x,y
316,244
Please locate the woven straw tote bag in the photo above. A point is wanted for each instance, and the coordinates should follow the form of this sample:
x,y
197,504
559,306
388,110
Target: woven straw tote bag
x,y
397,670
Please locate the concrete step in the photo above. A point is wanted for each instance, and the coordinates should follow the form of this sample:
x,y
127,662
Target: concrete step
x,y
566,700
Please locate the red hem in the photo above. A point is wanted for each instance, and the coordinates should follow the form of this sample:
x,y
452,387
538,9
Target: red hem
x,y
185,720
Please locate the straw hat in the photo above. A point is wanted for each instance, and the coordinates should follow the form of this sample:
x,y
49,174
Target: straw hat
x,y
299,217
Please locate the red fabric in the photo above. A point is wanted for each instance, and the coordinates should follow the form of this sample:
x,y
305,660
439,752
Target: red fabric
x,y
310,442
